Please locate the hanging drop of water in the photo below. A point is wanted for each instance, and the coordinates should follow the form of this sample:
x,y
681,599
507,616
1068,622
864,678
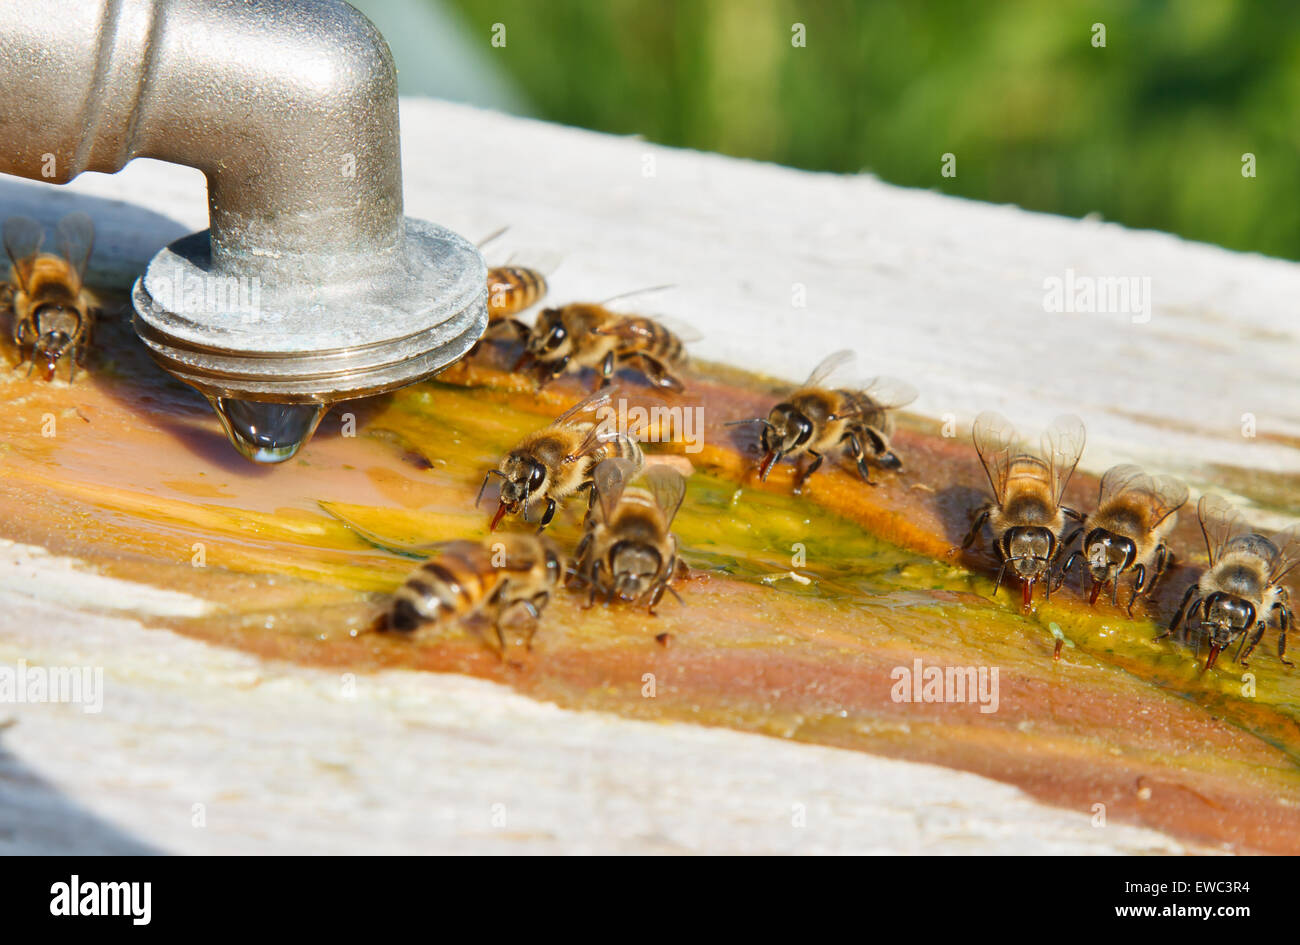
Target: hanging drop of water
x,y
267,433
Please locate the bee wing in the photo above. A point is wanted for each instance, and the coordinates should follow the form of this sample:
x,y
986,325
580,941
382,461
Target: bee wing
x,y
1118,480
75,237
23,238
635,292
1163,494
1288,553
668,486
995,442
1167,496
542,262
1062,446
592,402
889,393
829,365
610,478
494,235
631,328
1220,523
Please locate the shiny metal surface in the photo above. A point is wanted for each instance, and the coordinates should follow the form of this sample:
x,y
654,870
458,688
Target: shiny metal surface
x,y
310,285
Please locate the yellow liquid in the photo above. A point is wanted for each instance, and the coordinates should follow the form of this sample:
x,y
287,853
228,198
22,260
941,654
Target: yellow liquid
x,y
796,623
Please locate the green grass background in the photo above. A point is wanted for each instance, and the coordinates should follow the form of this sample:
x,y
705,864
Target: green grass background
x,y
1148,131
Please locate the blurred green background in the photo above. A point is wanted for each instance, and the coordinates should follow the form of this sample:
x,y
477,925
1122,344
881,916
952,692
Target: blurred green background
x,y
1148,131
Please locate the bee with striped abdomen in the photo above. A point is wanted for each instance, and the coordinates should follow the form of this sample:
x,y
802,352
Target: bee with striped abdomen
x,y
590,335
53,311
1242,588
1135,512
556,461
628,550
511,290
1026,517
497,580
817,418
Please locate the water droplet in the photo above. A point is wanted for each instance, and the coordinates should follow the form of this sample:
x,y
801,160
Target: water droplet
x,y
267,433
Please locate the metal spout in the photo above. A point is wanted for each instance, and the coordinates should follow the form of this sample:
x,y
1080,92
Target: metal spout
x,y
310,286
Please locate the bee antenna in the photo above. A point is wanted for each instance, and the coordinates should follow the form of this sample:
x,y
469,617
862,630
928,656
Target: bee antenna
x,y
763,420
481,489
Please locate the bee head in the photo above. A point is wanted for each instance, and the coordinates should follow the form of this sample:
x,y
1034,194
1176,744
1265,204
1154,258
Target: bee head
x,y
634,566
1108,554
785,429
549,338
1227,616
522,477
1029,549
56,326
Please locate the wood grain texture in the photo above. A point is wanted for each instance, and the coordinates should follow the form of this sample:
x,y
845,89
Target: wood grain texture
x,y
928,288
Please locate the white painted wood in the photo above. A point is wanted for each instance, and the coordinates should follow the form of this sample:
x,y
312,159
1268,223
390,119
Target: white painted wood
x,y
284,759
932,289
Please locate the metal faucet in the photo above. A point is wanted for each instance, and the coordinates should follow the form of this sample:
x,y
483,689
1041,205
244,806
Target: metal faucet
x,y
310,285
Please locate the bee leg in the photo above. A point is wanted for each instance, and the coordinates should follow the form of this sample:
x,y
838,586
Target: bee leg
x,y
607,369
548,515
535,608
659,375
501,638
1139,585
1244,658
803,476
558,368
853,446
975,529
592,585
1073,513
1069,563
997,584
1180,613
1285,616
655,596
580,555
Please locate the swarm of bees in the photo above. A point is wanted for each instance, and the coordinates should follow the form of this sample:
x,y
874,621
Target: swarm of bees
x,y
628,551
53,312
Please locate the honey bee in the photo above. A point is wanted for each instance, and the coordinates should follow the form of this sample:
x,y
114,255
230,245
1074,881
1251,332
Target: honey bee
x,y
628,549
1026,517
1243,587
498,580
53,311
556,461
511,290
1135,512
589,335
816,419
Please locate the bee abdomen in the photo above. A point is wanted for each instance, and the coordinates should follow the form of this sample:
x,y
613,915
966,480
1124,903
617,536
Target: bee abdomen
x,y
627,447
511,289
445,588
